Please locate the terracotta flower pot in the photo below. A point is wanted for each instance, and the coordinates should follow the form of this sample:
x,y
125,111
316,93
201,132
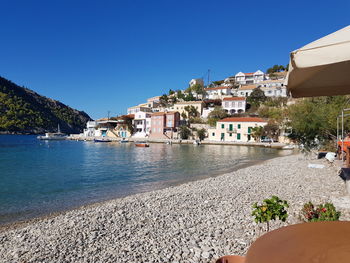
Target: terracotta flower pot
x,y
231,259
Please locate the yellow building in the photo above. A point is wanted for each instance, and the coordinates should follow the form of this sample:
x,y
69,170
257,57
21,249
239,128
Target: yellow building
x,y
235,129
180,106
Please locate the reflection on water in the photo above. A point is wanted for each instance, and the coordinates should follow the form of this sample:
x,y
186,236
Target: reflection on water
x,y
39,177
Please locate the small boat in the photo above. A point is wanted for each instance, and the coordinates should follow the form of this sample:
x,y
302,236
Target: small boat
x,y
288,147
169,142
102,140
141,144
54,135
124,140
196,142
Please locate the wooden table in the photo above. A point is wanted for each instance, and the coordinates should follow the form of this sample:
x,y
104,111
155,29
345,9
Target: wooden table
x,y
318,242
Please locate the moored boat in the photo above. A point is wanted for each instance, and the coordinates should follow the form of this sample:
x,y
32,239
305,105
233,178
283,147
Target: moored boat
x,y
124,140
53,135
141,144
102,140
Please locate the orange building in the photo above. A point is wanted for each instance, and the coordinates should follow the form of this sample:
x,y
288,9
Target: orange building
x,y
164,124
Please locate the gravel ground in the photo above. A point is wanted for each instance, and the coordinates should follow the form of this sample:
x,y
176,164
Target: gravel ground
x,y
194,222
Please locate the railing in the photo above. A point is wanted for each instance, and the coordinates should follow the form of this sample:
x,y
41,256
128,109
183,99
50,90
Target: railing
x,y
231,130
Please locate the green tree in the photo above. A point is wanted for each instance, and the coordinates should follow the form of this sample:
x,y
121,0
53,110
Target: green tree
x,y
201,133
180,95
189,97
184,132
171,92
256,97
271,130
217,114
314,121
164,100
257,133
192,112
184,115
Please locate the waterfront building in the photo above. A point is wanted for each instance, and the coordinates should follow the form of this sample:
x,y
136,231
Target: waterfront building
x,y
90,129
164,125
250,78
180,106
234,105
235,129
218,92
123,128
142,124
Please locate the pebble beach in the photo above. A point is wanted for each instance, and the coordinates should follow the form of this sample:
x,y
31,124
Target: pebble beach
x,y
194,222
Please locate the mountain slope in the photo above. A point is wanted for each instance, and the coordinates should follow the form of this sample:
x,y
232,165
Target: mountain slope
x,y
24,111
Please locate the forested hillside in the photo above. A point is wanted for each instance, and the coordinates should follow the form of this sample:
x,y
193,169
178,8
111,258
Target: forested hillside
x,y
24,111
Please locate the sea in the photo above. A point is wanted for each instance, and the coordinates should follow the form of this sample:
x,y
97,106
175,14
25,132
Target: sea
x,y
41,177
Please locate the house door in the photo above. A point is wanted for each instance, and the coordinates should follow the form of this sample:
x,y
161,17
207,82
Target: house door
x,y
249,137
222,136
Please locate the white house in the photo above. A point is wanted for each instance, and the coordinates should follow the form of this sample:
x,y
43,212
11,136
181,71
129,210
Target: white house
x,y
139,108
196,81
91,126
235,129
142,124
273,88
218,92
250,78
245,90
234,104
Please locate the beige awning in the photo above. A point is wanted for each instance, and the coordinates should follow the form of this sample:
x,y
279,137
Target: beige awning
x,y
321,68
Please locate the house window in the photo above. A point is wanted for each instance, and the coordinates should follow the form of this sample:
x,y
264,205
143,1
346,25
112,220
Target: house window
x,y
249,130
239,126
222,126
230,134
213,134
231,127
238,136
239,104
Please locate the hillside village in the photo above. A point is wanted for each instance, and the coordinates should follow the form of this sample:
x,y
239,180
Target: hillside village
x,y
236,109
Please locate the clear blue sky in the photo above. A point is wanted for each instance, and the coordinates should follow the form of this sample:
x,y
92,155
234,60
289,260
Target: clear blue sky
x,y
107,55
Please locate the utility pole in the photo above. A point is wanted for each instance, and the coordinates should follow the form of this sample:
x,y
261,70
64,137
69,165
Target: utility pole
x,y
108,114
208,77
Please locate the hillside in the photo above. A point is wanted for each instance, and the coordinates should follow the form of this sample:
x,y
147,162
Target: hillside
x,y
24,111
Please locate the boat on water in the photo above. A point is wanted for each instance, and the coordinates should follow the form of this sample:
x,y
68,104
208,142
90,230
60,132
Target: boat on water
x,y
141,144
53,135
124,140
102,139
196,142
288,147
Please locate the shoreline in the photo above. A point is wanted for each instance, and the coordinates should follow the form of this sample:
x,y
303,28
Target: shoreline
x,y
197,221
25,222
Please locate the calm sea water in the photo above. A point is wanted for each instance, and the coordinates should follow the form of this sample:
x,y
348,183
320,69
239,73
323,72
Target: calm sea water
x,y
38,177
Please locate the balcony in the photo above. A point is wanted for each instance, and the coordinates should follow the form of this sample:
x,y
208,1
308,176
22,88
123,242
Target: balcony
x,y
231,130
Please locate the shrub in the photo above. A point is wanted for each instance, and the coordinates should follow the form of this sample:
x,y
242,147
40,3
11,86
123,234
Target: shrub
x,y
323,212
270,209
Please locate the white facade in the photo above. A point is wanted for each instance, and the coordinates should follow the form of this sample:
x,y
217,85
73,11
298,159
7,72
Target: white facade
x,y
136,109
90,129
235,129
142,124
250,78
245,91
196,81
234,105
218,92
273,88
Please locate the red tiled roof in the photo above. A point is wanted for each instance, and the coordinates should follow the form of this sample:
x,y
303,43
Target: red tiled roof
x,y
216,88
242,119
234,98
250,73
